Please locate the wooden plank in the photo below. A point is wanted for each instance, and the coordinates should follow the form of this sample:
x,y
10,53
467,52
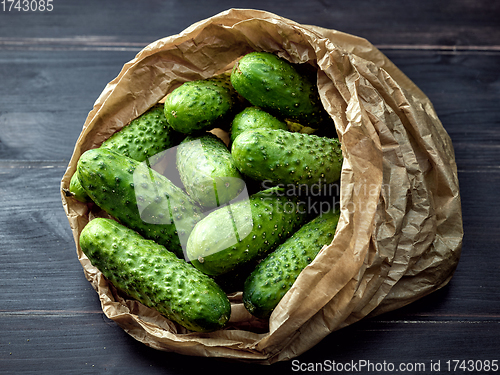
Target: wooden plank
x,y
46,96
90,343
425,22
40,269
46,300
53,67
38,255
462,86
416,340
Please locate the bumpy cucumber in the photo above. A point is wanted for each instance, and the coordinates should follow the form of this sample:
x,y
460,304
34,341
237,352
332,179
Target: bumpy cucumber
x,y
275,85
283,157
201,105
207,170
139,197
244,231
144,137
147,272
141,139
254,118
275,275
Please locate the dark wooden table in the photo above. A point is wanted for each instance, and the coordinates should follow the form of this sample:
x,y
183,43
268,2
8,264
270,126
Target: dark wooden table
x,y
54,64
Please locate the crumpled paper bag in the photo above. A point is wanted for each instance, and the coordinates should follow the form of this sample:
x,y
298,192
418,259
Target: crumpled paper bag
x,y
400,233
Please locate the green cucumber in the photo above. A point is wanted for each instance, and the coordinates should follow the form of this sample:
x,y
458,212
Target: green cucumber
x,y
143,138
283,157
77,191
139,197
254,118
275,275
152,275
277,86
201,105
244,231
207,170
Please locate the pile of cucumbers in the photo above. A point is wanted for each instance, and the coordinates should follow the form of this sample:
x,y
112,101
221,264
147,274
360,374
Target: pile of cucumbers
x,y
231,211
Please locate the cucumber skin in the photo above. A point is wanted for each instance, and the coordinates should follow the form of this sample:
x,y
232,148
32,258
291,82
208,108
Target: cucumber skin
x,y
77,190
145,136
275,85
275,275
200,105
154,276
283,157
245,231
207,170
115,183
141,139
254,118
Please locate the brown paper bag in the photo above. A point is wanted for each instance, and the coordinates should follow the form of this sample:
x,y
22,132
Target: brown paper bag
x,y
400,233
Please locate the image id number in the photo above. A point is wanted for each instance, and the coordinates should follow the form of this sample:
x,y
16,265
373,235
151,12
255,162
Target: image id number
x,y
472,365
27,5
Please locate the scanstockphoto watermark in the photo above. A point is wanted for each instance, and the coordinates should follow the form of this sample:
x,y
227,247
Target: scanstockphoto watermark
x,y
306,205
320,188
384,367
364,197
357,366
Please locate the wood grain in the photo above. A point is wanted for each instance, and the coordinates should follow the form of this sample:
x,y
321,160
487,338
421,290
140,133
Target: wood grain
x,y
389,22
54,65
461,86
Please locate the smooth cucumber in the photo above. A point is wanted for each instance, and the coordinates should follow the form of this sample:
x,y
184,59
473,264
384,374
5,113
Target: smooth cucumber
x,y
207,170
77,191
149,273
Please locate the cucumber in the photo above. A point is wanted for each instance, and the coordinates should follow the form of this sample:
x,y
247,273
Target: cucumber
x,y
201,105
152,275
77,191
254,118
277,86
275,275
283,157
207,170
139,197
244,231
142,139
